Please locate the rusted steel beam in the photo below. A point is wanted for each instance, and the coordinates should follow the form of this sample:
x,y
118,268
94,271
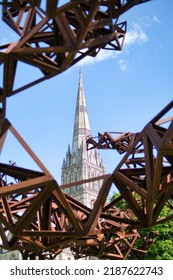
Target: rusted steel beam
x,y
99,204
25,186
18,172
7,211
77,183
28,149
4,237
4,126
50,233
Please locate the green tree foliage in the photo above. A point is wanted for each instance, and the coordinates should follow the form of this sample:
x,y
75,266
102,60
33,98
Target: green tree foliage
x,y
162,247
157,241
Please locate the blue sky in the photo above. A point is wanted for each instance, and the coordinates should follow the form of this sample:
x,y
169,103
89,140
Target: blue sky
x,y
123,90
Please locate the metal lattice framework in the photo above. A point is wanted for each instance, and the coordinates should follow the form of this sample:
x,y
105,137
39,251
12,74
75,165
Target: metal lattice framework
x,y
36,216
53,38
144,177
106,141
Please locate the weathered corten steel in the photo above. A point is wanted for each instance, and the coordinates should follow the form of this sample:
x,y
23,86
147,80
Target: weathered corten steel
x,y
144,177
118,246
36,216
42,220
107,141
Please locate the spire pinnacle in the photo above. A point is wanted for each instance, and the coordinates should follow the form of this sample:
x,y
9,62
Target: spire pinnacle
x,y
81,123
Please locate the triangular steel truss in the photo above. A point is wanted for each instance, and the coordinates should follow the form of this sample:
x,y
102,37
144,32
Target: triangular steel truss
x,y
144,177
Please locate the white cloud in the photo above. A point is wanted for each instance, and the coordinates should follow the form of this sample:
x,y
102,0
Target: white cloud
x,y
155,19
105,54
135,35
148,21
123,65
102,55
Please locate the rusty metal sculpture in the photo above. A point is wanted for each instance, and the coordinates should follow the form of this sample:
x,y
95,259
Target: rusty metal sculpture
x,y
117,246
144,177
106,141
36,216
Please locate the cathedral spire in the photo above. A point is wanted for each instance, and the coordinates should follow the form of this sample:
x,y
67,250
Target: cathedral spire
x,y
80,163
81,123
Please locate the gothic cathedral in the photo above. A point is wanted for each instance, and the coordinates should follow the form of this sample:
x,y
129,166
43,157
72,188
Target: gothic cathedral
x,y
79,163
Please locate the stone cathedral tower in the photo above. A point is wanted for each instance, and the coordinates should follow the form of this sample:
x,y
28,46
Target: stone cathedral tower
x,y
79,163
